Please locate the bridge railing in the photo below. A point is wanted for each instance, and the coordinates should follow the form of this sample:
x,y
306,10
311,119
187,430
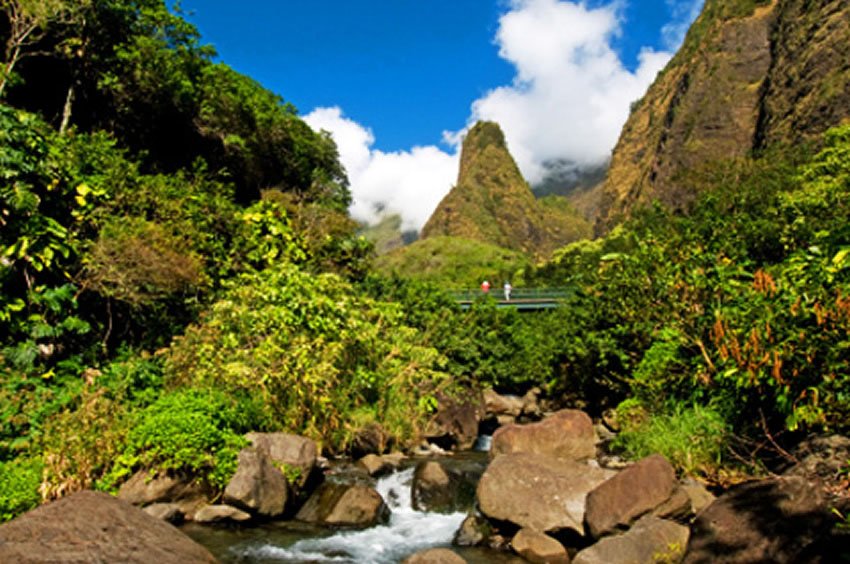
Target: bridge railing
x,y
517,294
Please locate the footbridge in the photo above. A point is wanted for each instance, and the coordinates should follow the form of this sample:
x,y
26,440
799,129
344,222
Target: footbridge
x,y
523,299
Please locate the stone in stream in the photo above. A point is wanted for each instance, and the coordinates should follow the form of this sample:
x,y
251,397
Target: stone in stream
x,y
435,556
296,454
257,486
169,512
633,492
376,465
539,548
650,540
567,434
95,527
144,488
346,505
446,486
538,491
474,531
221,514
455,424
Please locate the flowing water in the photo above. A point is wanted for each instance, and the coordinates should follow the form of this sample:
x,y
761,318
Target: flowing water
x,y
408,531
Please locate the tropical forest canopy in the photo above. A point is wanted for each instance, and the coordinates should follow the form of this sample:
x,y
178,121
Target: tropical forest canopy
x,y
177,268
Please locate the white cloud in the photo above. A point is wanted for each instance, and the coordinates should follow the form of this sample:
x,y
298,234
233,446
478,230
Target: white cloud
x,y
571,93
410,183
569,99
683,13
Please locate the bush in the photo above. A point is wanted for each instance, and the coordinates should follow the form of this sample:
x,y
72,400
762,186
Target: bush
x,y
19,483
315,352
198,432
691,438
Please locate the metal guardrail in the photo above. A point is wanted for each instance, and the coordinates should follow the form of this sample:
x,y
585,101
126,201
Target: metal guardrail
x,y
520,298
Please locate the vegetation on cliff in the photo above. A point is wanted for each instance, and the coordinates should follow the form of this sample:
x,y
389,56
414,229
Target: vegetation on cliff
x,y
493,204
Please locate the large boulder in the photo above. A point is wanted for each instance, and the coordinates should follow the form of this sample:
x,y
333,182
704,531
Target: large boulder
x,y
344,505
257,486
455,424
637,490
95,527
650,540
538,491
370,439
496,404
567,434
295,454
539,548
771,520
144,488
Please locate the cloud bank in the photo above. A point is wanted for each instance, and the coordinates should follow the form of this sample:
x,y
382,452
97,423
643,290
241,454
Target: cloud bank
x,y
568,100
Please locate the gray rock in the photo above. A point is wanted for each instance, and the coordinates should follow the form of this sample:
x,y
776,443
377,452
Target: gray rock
x,y
220,514
650,540
376,465
344,505
257,486
432,489
539,548
567,434
637,490
95,527
538,491
700,497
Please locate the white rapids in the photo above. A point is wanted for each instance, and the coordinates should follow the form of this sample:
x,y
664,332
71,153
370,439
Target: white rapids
x,y
407,531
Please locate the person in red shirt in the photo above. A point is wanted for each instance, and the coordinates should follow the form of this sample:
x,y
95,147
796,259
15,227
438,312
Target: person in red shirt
x,y
485,286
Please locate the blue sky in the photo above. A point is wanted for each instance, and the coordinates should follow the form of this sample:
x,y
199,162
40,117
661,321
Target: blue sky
x,y
398,81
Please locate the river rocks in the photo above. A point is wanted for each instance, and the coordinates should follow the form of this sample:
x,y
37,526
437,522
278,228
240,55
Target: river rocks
x,y
295,454
539,548
650,540
344,505
496,404
771,520
221,514
376,465
567,434
95,527
257,486
144,488
637,490
445,486
431,487
370,439
474,531
435,556
538,491
169,512
455,425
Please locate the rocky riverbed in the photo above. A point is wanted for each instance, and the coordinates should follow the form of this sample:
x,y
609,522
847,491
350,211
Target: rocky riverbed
x,y
544,490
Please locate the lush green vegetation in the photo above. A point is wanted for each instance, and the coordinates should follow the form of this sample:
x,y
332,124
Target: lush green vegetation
x,y
452,262
177,268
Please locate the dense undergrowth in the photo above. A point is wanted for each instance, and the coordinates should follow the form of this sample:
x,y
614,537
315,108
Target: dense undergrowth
x,y
155,306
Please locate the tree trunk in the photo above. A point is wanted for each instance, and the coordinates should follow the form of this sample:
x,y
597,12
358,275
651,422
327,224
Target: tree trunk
x,y
66,109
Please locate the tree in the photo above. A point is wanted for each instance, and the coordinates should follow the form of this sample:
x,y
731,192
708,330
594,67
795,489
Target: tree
x,y
29,21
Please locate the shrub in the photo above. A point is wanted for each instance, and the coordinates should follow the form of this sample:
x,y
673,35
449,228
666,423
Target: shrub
x,y
198,432
19,482
313,350
692,437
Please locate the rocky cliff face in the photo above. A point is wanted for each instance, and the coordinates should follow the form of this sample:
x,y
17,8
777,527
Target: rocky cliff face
x,y
750,74
492,203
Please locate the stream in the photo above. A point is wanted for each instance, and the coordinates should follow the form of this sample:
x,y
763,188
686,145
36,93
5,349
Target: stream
x,y
407,531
